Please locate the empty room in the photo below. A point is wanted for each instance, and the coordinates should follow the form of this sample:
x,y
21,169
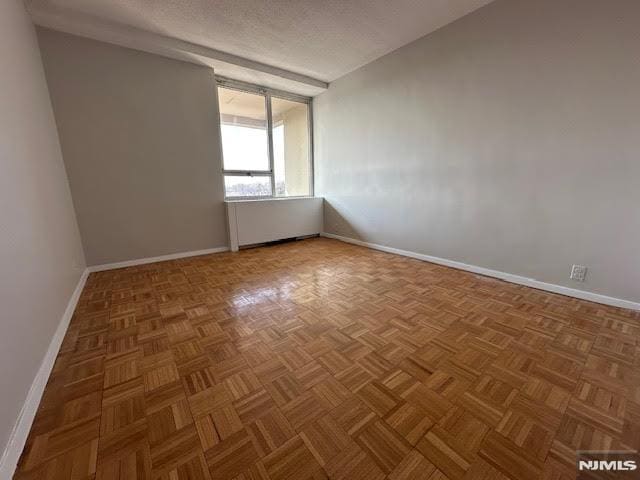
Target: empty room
x,y
319,239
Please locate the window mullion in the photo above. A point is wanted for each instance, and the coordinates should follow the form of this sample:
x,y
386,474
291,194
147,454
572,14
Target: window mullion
x,y
267,99
312,185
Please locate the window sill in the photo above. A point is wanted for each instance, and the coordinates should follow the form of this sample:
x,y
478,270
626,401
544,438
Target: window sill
x,y
269,199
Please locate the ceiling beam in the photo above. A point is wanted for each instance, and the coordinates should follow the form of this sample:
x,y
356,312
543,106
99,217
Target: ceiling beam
x,y
131,37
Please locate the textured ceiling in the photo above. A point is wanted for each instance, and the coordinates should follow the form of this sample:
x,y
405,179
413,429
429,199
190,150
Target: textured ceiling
x,y
322,39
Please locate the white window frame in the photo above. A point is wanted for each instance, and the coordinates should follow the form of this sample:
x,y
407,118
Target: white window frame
x,y
267,93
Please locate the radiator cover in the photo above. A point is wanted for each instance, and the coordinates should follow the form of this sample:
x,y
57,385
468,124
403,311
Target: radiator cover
x,y
266,220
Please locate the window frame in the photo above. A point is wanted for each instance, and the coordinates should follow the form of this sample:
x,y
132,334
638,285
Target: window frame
x,y
267,93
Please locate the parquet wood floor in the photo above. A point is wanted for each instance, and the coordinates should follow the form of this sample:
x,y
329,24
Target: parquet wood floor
x,y
318,359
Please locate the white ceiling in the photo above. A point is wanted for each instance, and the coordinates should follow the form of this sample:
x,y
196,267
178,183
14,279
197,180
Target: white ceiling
x,y
317,39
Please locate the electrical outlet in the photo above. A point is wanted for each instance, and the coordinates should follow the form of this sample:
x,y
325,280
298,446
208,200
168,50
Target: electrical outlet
x,y
578,272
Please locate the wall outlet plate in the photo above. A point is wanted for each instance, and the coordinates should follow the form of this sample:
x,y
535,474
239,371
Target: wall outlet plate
x,y
578,272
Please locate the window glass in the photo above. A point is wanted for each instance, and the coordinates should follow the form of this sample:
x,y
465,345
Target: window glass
x,y
243,125
246,186
256,164
291,147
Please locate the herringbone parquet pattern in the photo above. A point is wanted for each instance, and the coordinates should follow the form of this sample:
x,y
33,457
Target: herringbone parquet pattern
x,y
319,359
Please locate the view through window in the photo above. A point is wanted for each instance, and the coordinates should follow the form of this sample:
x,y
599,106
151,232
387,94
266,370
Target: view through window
x,y
265,144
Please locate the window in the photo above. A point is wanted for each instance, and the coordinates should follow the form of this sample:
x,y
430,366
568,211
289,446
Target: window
x,y
266,144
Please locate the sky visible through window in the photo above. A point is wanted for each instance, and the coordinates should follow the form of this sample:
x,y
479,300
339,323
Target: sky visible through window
x,y
245,148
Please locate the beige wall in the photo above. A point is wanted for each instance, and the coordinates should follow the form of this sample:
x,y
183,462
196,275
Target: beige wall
x,y
41,257
140,139
509,139
296,150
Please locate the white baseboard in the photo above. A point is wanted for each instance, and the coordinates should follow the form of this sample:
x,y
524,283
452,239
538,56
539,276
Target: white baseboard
x,y
508,277
21,429
161,258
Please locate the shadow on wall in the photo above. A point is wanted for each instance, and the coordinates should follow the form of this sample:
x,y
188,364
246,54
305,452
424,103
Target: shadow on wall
x,y
336,223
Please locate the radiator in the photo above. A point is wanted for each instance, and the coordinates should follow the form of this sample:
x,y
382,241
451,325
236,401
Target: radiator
x,y
266,220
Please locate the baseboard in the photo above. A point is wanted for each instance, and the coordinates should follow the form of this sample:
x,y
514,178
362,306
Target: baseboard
x,y
161,258
508,277
21,429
